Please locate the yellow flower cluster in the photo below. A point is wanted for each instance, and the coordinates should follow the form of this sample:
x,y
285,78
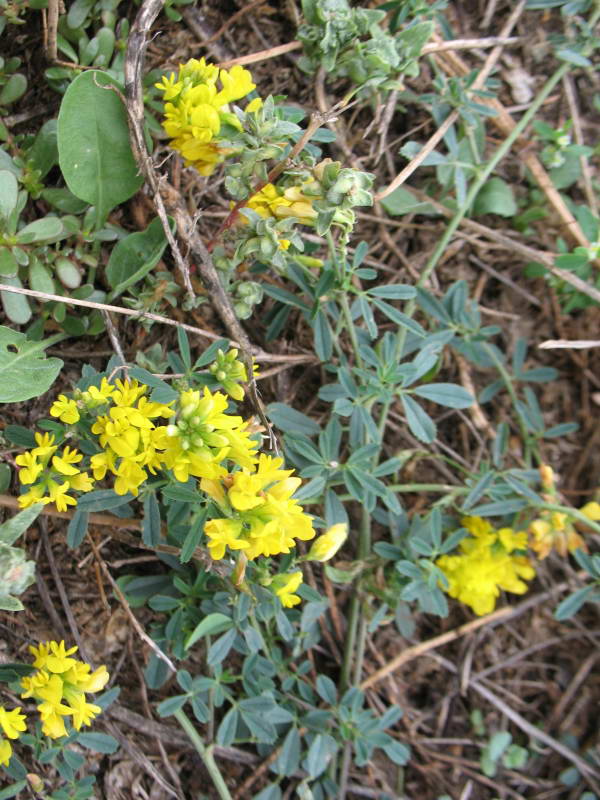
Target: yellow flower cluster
x,y
130,440
489,562
204,436
12,723
195,109
256,512
51,474
59,687
554,530
291,202
260,516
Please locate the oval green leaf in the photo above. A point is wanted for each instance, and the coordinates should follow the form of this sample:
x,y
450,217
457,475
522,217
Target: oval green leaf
x,y
93,143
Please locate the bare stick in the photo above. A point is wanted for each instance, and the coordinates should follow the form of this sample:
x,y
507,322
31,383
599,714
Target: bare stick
x,y
565,344
586,172
130,312
126,607
261,55
52,43
437,641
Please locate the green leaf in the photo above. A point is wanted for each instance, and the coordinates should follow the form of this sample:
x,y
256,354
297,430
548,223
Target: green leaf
x,y
289,757
93,143
571,56
151,522
446,394
43,153
8,263
10,603
403,201
17,525
320,753
103,500
5,476
219,650
228,728
571,604
291,421
12,791
9,191
14,88
210,625
45,229
323,337
399,318
77,528
394,291
192,539
98,742
16,306
134,256
397,752
326,689
24,370
171,705
496,197
419,422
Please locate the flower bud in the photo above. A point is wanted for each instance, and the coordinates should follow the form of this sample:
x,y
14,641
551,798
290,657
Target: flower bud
x,y
326,546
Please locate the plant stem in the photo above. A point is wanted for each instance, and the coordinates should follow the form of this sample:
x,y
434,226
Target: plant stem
x,y
513,396
205,754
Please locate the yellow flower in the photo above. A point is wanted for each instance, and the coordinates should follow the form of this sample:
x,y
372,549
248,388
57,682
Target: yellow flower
x,y
43,467
12,722
326,546
554,530
591,511
262,510
45,445
31,467
33,496
285,586
53,656
223,533
129,477
5,752
58,495
269,202
82,711
486,565
65,409
64,463
94,396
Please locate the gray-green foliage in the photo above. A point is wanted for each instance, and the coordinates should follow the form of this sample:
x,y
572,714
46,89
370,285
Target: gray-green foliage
x,y
351,42
16,572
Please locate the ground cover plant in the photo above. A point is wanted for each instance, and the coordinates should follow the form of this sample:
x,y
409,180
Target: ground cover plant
x,y
298,371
